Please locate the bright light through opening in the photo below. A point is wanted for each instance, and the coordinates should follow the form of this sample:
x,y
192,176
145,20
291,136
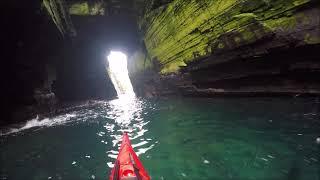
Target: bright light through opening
x,y
119,75
117,61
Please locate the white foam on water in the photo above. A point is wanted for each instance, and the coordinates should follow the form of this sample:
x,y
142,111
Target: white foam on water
x,y
36,122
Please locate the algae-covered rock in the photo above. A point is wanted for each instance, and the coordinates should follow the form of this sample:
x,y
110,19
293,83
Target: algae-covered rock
x,y
185,30
84,8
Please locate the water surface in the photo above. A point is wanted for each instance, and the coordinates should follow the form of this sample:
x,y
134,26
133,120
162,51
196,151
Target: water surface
x,y
262,139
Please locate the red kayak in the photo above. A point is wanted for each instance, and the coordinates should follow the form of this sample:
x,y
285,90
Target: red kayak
x,y
128,166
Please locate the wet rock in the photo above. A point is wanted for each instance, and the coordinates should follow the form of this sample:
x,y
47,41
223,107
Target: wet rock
x,y
45,99
150,84
249,48
241,29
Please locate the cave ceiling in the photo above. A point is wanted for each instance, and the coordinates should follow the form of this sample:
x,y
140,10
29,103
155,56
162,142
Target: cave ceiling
x,y
62,11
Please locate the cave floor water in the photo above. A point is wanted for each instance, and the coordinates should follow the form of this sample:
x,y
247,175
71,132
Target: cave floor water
x,y
240,138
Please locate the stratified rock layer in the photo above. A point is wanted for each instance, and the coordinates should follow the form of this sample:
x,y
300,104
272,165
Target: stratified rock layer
x,y
185,31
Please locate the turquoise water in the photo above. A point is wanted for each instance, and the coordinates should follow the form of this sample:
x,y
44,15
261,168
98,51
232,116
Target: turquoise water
x,y
262,139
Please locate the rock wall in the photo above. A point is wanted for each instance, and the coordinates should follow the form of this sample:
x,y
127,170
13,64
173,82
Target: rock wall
x,y
185,31
41,67
231,47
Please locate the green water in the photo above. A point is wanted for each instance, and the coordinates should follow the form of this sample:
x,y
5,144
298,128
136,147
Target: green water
x,y
262,139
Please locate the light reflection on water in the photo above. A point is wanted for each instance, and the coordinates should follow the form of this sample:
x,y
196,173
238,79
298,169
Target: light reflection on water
x,y
211,139
126,113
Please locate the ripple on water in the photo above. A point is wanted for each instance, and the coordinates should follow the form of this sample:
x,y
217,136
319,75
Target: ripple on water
x,y
127,116
191,139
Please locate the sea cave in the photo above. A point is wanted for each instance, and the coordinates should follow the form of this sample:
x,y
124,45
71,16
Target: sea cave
x,y
161,89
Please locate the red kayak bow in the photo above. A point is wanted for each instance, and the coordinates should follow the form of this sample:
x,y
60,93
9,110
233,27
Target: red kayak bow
x,y
128,166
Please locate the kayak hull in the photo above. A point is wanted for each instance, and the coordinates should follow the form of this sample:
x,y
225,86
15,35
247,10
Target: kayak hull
x,y
127,163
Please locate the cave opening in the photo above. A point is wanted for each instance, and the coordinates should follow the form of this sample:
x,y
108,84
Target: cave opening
x,y
119,75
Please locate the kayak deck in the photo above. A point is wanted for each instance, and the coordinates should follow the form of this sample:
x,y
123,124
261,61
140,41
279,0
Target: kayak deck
x,y
127,165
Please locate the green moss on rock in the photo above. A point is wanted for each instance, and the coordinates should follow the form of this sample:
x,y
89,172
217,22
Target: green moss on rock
x,y
312,38
81,8
85,9
285,23
185,30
